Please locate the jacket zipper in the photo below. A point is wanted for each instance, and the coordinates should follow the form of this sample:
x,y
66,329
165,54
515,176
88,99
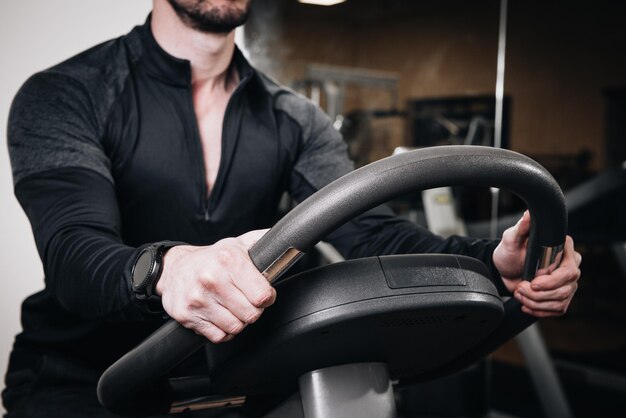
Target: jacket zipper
x,y
206,197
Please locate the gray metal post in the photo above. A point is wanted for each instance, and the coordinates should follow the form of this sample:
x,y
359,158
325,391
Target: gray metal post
x,y
347,391
497,134
543,374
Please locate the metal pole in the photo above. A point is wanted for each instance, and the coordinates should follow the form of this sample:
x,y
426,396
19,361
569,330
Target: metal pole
x,y
348,391
539,363
497,137
497,134
543,374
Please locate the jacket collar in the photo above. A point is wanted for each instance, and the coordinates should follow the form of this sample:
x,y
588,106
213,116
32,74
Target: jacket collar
x,y
171,70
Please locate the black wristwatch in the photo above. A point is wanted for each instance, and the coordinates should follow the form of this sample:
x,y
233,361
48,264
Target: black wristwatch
x,y
148,268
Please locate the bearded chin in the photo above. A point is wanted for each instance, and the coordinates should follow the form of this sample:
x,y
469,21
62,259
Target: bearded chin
x,y
209,21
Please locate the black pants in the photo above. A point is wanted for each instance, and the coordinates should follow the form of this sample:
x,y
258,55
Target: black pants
x,y
61,388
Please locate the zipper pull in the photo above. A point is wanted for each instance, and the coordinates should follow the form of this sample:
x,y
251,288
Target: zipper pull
x,y
207,217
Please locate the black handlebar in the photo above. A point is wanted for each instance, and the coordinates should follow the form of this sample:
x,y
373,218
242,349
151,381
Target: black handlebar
x,y
137,382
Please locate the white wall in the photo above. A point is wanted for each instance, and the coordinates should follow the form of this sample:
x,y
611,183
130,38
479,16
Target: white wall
x,y
35,34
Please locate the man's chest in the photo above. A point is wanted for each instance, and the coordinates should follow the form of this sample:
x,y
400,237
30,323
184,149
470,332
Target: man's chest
x,y
209,110
165,150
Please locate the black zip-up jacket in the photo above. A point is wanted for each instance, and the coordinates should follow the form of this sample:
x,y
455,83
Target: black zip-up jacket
x,y
107,158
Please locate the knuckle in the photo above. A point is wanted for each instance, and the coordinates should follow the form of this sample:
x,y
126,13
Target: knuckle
x,y
211,283
572,275
208,281
216,335
253,316
191,305
235,327
263,297
226,257
560,308
186,320
554,281
209,331
530,304
194,300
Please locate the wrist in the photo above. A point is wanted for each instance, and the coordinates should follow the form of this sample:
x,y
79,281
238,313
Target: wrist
x,y
148,268
170,265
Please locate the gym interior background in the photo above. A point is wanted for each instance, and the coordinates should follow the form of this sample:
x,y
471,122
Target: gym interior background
x,y
412,74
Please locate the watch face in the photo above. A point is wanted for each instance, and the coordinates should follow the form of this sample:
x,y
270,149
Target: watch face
x,y
143,268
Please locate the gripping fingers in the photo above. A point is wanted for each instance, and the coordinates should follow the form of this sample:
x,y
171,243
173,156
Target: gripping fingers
x,y
545,303
258,292
239,305
541,313
253,285
551,294
567,272
562,293
216,290
209,331
556,306
244,276
221,318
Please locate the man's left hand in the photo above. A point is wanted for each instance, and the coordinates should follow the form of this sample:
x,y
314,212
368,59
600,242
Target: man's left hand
x,y
547,294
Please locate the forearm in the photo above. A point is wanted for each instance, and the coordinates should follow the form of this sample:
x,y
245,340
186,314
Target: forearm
x,y
88,273
76,224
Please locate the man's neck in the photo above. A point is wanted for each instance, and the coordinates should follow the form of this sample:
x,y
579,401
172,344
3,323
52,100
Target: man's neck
x,y
210,54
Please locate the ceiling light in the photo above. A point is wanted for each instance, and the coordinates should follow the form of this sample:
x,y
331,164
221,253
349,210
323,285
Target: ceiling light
x,y
322,2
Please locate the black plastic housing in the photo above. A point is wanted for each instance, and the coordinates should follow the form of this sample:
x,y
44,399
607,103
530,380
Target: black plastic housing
x,y
348,312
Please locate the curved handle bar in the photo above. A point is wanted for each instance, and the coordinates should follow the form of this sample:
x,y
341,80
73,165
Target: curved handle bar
x,y
126,385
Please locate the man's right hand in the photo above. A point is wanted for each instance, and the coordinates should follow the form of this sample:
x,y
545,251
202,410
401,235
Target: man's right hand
x,y
215,290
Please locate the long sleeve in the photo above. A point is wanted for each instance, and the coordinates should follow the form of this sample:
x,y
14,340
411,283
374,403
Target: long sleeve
x,y
63,182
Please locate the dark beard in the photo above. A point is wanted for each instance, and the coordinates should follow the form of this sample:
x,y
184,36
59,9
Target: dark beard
x,y
209,21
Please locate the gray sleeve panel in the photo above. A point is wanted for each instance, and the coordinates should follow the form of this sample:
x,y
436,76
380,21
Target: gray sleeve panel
x,y
55,122
323,155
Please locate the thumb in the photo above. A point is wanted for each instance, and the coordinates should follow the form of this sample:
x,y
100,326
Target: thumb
x,y
250,238
522,229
